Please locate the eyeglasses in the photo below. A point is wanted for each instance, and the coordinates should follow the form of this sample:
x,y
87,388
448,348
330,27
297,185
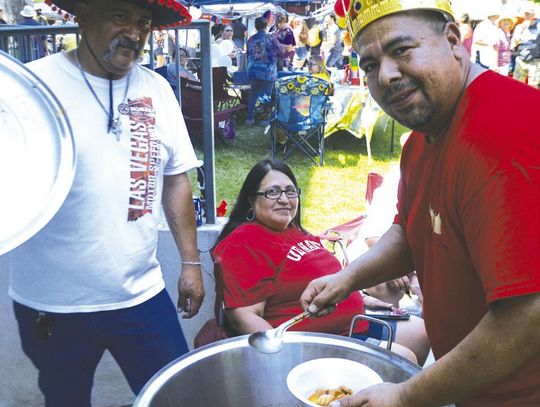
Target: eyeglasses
x,y
275,193
228,31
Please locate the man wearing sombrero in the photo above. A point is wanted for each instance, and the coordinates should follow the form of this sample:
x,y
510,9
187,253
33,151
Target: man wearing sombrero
x,y
468,211
90,280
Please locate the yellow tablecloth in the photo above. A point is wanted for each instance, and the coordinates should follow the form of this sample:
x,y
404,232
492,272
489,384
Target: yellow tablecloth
x,y
353,110
345,112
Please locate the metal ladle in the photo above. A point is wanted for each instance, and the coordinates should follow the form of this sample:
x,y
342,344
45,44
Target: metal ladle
x,y
271,341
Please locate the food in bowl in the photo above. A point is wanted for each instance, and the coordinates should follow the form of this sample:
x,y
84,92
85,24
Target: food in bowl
x,y
327,374
323,397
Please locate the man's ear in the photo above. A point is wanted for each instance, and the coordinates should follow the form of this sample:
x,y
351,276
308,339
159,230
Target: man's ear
x,y
82,11
453,36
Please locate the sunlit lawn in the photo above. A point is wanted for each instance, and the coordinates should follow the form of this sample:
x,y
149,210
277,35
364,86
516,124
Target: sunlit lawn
x,y
331,194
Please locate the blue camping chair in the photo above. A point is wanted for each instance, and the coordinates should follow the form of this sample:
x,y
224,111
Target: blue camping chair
x,y
300,115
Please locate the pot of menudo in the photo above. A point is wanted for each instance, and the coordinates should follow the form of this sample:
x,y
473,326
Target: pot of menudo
x,y
230,373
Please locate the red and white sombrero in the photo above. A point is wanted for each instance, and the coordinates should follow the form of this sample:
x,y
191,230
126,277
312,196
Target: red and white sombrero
x,y
165,13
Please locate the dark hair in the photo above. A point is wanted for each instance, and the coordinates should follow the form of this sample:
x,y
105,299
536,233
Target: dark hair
x,y
465,19
310,22
173,53
216,30
251,185
260,23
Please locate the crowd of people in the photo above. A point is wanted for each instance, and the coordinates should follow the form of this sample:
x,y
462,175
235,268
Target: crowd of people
x,y
29,48
507,44
503,43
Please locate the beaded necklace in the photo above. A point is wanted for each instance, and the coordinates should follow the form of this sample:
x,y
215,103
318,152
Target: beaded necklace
x,y
113,122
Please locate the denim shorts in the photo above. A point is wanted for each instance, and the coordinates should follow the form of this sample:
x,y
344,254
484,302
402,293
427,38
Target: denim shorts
x,y
377,332
66,348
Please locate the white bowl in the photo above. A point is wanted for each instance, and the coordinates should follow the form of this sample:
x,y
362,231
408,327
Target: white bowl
x,y
329,373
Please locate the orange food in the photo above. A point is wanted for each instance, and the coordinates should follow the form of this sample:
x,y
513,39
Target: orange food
x,y
323,397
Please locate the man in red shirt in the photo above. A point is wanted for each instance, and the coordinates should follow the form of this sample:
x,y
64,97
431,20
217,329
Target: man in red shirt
x,y
468,211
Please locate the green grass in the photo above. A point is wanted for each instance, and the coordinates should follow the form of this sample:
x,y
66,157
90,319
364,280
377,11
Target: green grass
x,y
331,194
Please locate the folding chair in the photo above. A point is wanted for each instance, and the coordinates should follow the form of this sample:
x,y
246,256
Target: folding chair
x,y
300,106
217,328
374,181
221,83
191,103
346,233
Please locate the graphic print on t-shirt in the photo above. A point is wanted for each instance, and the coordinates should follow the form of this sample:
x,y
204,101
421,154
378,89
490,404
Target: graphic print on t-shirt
x,y
300,249
435,221
144,157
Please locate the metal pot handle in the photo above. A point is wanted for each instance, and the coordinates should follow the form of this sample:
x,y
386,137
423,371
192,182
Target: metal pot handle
x,y
377,321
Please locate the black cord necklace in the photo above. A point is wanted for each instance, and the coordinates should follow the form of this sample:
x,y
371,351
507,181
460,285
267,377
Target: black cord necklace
x,y
113,123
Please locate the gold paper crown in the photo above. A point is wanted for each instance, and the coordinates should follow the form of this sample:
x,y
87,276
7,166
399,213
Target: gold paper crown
x,y
363,12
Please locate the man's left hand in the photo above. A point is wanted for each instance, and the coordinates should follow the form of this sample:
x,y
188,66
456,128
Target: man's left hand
x,y
381,395
190,291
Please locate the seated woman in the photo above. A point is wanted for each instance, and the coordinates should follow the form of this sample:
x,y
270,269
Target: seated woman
x,y
265,259
182,69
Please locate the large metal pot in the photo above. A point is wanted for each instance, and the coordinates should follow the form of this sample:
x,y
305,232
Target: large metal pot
x,y
230,373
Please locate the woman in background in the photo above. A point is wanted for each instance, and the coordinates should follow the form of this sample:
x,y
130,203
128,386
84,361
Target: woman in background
x,y
506,24
182,68
300,31
263,50
466,31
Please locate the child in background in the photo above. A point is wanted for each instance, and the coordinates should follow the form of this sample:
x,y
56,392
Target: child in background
x,y
285,36
317,67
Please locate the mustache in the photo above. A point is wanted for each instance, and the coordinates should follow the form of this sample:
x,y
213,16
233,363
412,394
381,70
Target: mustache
x,y
400,87
124,43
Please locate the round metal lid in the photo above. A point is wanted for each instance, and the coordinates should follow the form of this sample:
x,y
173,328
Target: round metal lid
x,y
37,154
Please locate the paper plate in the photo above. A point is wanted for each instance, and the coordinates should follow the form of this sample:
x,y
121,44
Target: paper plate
x,y
37,154
329,373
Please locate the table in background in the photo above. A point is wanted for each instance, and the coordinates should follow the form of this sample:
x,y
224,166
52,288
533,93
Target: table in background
x,y
355,111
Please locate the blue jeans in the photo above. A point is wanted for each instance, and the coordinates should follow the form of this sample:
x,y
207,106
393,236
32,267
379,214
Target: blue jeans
x,y
301,52
335,58
378,331
142,339
259,88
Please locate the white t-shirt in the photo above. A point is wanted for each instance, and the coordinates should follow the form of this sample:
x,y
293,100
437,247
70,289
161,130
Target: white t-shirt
x,y
488,34
99,251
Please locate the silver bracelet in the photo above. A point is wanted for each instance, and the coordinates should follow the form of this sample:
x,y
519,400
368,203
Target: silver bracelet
x,y
192,263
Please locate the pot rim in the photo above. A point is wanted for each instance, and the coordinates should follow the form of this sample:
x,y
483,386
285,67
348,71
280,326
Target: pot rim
x,y
148,392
